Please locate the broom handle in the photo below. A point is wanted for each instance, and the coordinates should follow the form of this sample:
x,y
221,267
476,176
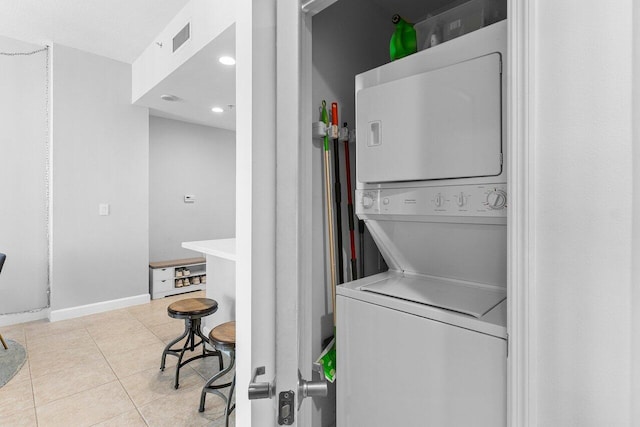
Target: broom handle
x,y
327,183
327,186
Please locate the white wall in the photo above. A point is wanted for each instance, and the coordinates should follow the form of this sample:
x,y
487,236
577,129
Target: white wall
x,y
23,166
185,158
100,155
583,213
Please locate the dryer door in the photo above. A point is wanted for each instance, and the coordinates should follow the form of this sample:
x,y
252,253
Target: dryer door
x,y
440,124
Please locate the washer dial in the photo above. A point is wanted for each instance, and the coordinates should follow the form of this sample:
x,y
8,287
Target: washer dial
x,y
367,200
496,199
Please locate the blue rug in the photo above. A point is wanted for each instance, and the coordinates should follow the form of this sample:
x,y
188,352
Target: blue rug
x,y
11,360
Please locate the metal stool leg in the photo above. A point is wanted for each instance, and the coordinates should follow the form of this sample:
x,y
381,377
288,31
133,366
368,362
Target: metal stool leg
x,y
215,352
189,340
191,330
229,407
167,349
209,387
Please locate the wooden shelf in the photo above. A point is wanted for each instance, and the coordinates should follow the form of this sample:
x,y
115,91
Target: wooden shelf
x,y
186,262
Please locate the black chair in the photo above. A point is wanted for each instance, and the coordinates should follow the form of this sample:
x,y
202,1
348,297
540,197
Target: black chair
x,y
3,257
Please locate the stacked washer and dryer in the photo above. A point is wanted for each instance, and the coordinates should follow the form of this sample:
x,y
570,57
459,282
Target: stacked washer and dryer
x,y
425,343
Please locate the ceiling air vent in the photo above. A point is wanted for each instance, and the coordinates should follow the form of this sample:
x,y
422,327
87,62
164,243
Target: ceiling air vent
x,y
182,36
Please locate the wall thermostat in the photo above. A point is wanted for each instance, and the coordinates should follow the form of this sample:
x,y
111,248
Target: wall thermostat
x,y
189,198
103,209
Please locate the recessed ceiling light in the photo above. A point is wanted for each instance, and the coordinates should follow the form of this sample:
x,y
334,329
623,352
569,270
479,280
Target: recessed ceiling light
x,y
217,110
169,98
227,60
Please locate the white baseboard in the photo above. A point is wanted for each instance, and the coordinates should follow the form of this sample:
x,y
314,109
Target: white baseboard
x,y
98,307
15,318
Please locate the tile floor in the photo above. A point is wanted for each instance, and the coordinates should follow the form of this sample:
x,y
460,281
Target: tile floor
x,y
103,370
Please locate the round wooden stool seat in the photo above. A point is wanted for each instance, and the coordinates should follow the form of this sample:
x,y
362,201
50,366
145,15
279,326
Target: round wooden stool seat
x,y
192,308
224,335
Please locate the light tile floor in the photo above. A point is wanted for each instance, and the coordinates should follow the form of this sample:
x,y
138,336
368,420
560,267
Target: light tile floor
x,y
103,370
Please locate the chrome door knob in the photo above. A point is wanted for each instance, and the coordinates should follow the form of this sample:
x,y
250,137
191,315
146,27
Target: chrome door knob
x,y
260,390
312,388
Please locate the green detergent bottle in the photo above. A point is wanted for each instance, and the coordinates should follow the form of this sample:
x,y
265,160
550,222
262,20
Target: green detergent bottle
x,y
403,41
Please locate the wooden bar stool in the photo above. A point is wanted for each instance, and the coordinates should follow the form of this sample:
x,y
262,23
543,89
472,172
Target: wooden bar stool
x,y
223,338
192,310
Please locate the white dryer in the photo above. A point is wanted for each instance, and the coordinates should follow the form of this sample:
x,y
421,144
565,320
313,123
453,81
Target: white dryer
x,y
425,343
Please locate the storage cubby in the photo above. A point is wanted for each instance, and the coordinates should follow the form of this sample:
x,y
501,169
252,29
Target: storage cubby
x,y
177,276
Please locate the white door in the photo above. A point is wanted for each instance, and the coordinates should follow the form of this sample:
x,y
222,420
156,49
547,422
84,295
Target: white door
x,y
293,218
255,205
273,202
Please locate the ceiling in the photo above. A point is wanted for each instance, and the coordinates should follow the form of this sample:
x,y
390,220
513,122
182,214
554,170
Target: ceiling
x,y
117,29
122,30
201,83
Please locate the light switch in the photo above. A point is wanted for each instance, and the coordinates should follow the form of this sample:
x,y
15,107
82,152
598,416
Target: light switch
x,y
103,209
189,198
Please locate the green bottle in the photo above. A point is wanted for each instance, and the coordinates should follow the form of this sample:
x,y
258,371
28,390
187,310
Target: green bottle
x,y
403,41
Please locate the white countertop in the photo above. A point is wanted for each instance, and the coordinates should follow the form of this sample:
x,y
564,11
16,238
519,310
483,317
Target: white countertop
x,y
222,248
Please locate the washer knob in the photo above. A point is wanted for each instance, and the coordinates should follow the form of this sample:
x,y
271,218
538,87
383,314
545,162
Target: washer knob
x,y
496,199
367,201
461,199
439,200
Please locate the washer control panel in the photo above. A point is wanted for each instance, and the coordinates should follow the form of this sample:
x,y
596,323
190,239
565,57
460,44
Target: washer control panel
x,y
464,200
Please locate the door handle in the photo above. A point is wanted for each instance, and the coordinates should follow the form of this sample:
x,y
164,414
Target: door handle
x,y
312,388
260,390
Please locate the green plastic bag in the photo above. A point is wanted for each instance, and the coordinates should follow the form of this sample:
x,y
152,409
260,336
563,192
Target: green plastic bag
x,y
328,361
403,41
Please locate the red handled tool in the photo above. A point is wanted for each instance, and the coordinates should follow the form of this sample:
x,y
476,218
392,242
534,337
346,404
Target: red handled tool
x,y
338,196
352,237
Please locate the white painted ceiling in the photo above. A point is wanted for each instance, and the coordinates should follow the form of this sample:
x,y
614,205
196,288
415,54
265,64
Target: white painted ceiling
x,y
117,29
201,83
122,30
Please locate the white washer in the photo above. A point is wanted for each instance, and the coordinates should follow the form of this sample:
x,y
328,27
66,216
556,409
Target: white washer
x,y
403,363
425,344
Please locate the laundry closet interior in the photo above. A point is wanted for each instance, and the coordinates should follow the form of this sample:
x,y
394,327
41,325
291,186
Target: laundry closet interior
x,y
424,326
